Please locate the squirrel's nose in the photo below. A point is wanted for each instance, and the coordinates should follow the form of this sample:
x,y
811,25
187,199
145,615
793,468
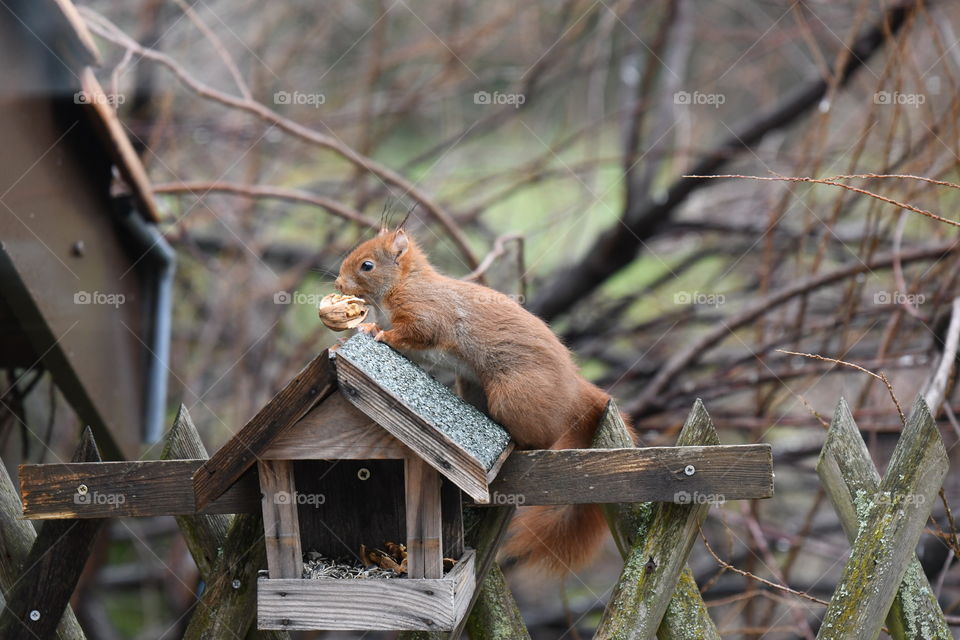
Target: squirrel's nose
x,y
338,283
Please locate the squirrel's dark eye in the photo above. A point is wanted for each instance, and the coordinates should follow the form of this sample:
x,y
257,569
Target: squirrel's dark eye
x,y
366,266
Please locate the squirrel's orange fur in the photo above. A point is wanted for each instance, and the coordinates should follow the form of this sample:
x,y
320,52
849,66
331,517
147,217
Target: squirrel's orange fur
x,y
533,387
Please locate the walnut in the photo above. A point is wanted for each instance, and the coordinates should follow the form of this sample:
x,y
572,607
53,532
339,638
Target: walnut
x,y
341,312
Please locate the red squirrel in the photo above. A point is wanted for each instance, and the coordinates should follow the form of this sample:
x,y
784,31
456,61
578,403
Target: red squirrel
x,y
532,385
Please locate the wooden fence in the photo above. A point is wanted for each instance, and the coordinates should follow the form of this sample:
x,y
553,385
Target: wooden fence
x,y
882,582
655,596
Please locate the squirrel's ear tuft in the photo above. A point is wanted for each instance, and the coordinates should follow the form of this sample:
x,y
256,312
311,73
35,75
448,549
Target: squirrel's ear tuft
x,y
400,243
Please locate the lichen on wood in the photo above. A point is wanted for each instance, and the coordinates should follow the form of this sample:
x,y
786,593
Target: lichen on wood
x,y
889,521
657,561
204,534
852,483
495,615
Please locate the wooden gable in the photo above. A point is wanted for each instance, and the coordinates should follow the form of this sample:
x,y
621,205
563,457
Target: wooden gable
x,y
335,430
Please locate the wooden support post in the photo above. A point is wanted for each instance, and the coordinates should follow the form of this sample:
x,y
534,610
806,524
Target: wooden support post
x,y
228,605
223,612
495,615
204,534
280,520
686,615
17,536
53,567
424,552
890,523
654,564
852,482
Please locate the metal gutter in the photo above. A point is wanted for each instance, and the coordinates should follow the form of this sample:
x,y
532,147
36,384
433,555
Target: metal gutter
x,y
161,259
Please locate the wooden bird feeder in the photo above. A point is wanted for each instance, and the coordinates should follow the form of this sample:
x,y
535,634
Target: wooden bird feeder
x,y
383,458
363,447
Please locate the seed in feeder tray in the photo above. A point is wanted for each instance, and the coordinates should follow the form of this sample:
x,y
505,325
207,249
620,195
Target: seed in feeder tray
x,y
398,551
339,312
317,566
393,559
384,561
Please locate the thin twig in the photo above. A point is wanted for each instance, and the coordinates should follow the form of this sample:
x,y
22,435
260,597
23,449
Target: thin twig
x,y
751,576
228,61
199,189
879,376
834,183
942,183
499,248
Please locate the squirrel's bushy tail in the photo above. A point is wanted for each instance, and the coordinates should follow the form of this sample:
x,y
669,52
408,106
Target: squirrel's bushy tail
x,y
562,538
557,538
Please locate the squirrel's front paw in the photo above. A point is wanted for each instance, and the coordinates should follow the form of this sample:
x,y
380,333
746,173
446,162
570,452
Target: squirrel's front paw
x,y
339,343
369,328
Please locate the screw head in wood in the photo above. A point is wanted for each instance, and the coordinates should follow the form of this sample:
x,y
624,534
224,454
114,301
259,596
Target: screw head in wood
x,y
236,583
34,615
363,473
689,470
82,490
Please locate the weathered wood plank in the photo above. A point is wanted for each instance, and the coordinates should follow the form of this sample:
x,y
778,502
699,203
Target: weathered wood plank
x,y
311,386
686,617
653,567
625,519
155,487
223,613
51,570
281,524
141,488
335,430
851,482
464,583
350,604
16,538
422,498
891,524
567,476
